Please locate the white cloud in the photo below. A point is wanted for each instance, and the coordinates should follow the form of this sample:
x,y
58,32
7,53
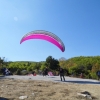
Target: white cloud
x,y
16,18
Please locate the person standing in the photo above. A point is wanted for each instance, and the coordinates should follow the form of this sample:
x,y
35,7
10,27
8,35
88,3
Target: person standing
x,y
4,71
61,72
98,74
45,72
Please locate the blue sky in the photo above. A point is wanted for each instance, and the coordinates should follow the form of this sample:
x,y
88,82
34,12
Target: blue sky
x,y
76,22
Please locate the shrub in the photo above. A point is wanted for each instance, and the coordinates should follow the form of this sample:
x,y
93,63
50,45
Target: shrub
x,y
18,72
93,75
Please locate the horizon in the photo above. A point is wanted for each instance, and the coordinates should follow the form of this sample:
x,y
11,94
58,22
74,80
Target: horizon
x,y
54,58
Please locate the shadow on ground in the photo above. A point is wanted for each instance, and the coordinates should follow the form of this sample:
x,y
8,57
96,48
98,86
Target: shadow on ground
x,y
1,98
2,76
80,82
51,77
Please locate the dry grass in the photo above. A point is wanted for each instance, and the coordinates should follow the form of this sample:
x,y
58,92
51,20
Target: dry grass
x,y
44,90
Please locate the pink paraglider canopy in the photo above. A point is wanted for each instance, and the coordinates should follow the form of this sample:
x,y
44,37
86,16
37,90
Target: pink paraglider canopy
x,y
56,41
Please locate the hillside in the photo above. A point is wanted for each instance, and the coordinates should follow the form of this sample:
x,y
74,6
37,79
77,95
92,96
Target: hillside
x,y
88,65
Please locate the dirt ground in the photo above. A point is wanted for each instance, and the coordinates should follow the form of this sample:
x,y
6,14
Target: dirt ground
x,y
12,89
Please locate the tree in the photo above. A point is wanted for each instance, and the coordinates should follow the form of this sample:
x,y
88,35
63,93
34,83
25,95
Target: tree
x,y
52,63
18,72
43,66
89,67
1,62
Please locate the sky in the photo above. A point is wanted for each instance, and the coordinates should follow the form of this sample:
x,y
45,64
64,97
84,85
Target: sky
x,y
75,22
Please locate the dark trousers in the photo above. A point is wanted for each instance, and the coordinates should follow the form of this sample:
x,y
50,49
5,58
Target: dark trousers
x,y
62,76
45,73
98,77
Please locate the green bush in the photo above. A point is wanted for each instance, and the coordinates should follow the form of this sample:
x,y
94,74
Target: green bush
x,y
29,69
88,76
18,72
24,72
93,75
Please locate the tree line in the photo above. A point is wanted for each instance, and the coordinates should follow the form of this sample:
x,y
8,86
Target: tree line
x,y
88,65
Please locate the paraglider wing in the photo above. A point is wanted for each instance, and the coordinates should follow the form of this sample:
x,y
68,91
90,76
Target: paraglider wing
x,y
45,36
